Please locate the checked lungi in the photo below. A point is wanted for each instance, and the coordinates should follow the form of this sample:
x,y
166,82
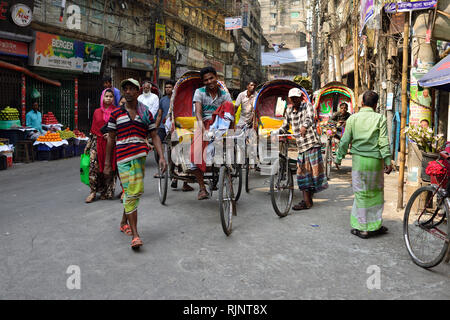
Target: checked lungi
x,y
310,171
368,187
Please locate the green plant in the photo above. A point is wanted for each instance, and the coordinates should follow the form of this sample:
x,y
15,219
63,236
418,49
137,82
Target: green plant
x,y
425,139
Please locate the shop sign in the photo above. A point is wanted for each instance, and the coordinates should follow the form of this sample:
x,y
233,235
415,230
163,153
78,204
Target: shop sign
x,y
21,15
52,51
93,55
409,6
245,44
160,36
165,69
13,48
233,23
137,60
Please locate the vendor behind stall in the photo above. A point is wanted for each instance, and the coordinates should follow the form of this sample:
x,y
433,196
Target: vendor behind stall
x,y
34,118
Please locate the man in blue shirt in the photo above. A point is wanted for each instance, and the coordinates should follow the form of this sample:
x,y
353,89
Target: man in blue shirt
x,y
107,84
34,118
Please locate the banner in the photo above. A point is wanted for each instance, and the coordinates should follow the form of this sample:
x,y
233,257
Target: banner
x,y
93,55
367,11
165,69
286,56
409,6
52,51
137,60
160,36
233,23
246,45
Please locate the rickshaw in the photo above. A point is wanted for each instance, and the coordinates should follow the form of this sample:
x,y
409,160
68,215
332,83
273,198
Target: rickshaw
x,y
220,176
326,104
270,105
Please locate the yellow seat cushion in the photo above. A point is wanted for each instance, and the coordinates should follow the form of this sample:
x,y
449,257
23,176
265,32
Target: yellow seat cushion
x,y
269,124
185,122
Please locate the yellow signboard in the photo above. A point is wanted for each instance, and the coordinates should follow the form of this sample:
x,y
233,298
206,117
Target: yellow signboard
x,y
165,69
160,36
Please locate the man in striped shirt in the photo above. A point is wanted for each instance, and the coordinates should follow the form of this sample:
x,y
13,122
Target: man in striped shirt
x,y
127,125
311,176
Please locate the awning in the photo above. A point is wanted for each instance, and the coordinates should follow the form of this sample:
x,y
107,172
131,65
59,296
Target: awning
x,y
439,76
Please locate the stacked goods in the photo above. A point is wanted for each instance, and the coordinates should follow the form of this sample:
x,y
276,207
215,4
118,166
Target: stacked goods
x,y
8,114
49,118
50,137
79,134
66,134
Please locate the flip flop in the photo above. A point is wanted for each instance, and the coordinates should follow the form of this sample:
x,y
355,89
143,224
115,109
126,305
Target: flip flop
x,y
126,229
136,243
358,233
203,194
380,231
301,206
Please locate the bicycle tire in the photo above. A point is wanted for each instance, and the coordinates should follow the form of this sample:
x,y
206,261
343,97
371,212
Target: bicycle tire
x,y
247,175
227,205
282,211
407,228
163,180
328,159
238,175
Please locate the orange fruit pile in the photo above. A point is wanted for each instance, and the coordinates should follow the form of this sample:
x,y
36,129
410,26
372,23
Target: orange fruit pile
x,y
50,137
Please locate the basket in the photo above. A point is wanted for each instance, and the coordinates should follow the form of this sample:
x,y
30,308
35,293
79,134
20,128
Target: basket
x,y
44,154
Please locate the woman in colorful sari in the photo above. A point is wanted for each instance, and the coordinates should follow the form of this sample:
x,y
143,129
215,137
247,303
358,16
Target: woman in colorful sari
x,y
371,157
97,148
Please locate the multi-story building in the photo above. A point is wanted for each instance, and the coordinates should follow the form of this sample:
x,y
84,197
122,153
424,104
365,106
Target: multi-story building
x,y
284,23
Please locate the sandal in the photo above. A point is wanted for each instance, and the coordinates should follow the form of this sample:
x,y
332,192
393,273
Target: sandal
x,y
360,234
126,229
90,198
136,243
378,232
301,206
187,188
203,194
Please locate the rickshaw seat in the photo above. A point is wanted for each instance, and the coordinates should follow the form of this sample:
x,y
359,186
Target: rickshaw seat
x,y
269,124
184,126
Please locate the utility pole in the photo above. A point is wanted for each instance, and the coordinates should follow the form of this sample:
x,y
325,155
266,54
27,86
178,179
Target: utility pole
x,y
334,41
315,84
355,53
401,175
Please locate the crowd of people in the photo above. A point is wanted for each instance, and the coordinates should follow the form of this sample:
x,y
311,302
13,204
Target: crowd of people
x,y
122,125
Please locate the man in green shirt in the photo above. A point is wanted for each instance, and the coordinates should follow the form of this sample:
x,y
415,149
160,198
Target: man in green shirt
x,y
371,157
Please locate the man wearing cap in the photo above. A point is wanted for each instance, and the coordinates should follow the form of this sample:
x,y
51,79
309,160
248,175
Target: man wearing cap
x,y
311,176
131,124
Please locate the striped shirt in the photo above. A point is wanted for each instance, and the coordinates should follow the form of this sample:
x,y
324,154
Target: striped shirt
x,y
210,104
302,117
131,135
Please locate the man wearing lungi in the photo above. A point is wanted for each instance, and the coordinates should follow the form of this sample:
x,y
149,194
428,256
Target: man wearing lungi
x,y
311,176
211,102
371,157
130,124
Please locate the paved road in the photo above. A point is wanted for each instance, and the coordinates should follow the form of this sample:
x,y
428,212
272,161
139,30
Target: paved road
x,y
45,227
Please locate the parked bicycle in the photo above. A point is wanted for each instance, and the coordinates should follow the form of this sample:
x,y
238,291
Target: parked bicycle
x,y
425,225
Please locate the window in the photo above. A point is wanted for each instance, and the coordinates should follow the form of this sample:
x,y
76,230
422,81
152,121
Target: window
x,y
273,3
273,15
295,2
273,28
295,14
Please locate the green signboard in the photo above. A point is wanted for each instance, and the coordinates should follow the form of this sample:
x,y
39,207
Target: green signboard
x,y
137,60
93,55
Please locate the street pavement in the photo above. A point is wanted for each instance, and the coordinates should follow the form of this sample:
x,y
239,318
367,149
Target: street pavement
x,y
46,228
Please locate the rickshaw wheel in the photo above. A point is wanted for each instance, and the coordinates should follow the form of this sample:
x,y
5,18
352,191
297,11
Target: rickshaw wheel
x,y
163,178
247,175
282,189
237,181
227,205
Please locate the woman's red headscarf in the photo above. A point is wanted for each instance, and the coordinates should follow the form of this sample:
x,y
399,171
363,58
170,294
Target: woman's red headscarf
x,y
100,119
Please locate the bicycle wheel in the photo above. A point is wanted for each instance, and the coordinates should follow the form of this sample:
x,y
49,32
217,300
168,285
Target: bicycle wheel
x,y
328,158
247,175
227,205
237,181
425,227
282,189
163,180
